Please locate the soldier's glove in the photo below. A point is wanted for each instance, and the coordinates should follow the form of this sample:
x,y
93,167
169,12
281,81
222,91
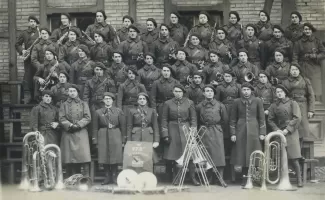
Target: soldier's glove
x,y
166,140
313,56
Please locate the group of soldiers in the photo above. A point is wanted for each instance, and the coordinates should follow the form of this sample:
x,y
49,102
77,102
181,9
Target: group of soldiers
x,y
100,88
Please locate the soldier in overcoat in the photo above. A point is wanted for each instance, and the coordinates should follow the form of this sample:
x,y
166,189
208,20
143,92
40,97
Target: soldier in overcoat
x,y
243,67
60,90
253,45
151,34
109,130
118,70
100,25
74,116
123,33
69,51
197,54
234,29
194,91
142,124
301,90
164,48
264,26
182,69
212,114
284,117
177,113
102,51
38,51
149,72
203,29
178,32
277,41
309,51
247,128
128,91
133,49
45,119
83,69
213,69
60,35
295,30
29,38
226,49
279,69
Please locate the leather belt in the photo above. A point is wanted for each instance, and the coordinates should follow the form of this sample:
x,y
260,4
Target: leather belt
x,y
179,120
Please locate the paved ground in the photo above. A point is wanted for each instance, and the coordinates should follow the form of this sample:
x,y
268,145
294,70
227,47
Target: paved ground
x,y
312,191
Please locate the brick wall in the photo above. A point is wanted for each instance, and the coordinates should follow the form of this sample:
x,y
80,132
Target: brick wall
x,y
196,2
70,3
115,10
313,11
150,9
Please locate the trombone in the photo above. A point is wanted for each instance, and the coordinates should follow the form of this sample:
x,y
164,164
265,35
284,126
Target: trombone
x,y
273,159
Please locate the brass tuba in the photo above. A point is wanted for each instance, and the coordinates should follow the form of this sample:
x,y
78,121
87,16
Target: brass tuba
x,y
274,159
249,76
39,162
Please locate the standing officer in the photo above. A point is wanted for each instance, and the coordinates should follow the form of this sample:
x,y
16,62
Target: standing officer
x,y
102,51
284,117
195,90
301,90
151,35
123,33
60,90
247,128
69,51
118,70
109,135
164,47
149,72
45,119
83,69
197,54
178,32
59,35
212,114
178,112
279,69
133,48
29,38
101,25
74,116
203,29
295,30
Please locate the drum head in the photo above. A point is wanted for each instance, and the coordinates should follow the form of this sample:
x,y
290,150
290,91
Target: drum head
x,y
127,178
148,180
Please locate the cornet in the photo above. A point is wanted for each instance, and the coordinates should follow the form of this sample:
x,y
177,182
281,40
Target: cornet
x,y
249,76
219,77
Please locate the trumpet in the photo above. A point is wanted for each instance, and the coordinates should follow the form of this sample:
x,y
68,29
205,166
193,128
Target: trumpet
x,y
27,53
219,77
249,76
41,165
274,159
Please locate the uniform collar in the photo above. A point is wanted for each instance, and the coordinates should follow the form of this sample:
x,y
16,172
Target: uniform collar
x,y
31,30
49,62
98,79
253,39
193,85
45,105
48,41
77,100
174,25
117,66
137,39
262,86
102,44
82,60
181,62
179,100
237,25
285,100
206,102
70,43
153,32
243,64
165,40
149,67
225,84
218,41
306,38
206,25
144,109
191,46
264,24
248,100
294,26
278,65
274,39
64,27
124,29
128,82
103,24
291,79
163,80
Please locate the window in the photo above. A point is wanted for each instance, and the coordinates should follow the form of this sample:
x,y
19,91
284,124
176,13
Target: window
x,y
81,20
191,18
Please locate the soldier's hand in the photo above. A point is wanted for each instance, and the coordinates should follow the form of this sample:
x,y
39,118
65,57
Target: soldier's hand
x,y
166,140
310,115
155,144
24,52
214,82
285,132
54,125
266,112
313,55
41,81
233,138
262,137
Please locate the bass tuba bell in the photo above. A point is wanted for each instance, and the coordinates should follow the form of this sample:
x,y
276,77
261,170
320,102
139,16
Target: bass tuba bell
x,y
249,76
274,159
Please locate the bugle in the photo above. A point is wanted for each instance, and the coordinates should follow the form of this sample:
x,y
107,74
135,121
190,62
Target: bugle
x,y
249,76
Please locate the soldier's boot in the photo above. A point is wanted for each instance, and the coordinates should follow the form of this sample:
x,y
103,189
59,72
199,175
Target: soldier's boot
x,y
86,170
298,172
210,174
192,174
169,171
244,173
114,173
107,179
221,170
